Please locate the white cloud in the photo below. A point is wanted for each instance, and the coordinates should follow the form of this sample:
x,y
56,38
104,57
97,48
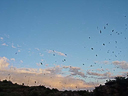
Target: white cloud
x,y
50,51
41,54
21,61
18,50
1,38
13,59
4,44
37,49
18,45
56,52
13,46
121,64
3,62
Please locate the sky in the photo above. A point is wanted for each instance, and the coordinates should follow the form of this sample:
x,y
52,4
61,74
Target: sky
x,y
63,44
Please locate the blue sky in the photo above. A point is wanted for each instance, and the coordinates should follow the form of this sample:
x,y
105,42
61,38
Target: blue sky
x,y
61,35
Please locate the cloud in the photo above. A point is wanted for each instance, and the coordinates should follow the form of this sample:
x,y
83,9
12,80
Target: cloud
x,y
37,49
105,62
3,62
6,35
55,70
102,62
50,77
56,52
41,54
19,51
28,76
46,64
1,38
18,45
38,64
125,74
107,74
21,61
75,71
121,64
100,70
13,59
13,46
4,44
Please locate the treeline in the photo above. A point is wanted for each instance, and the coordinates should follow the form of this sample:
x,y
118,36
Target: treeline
x,y
116,87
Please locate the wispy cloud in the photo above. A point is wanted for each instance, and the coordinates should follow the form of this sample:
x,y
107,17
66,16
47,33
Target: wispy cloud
x,y
41,54
18,45
1,38
12,59
102,62
13,46
121,64
75,71
37,49
108,74
21,61
6,35
38,64
19,50
56,52
100,70
4,44
105,62
54,70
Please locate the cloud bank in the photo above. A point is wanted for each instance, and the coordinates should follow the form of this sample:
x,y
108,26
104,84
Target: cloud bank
x,y
50,77
60,77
